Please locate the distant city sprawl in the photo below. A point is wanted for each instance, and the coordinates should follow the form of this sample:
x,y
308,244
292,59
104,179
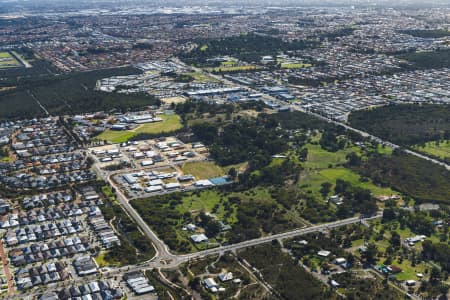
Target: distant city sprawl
x,y
224,150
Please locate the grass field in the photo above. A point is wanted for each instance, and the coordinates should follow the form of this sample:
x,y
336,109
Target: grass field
x,y
170,123
295,65
228,63
174,100
201,77
319,158
318,171
212,201
8,61
441,150
207,199
331,175
241,167
202,169
5,159
408,271
233,68
101,261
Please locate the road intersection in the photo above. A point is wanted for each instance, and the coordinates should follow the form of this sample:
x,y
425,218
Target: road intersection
x,y
165,259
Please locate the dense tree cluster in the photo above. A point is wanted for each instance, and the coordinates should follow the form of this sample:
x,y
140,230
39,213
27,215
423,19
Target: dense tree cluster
x,y
134,246
429,60
316,242
162,216
197,109
247,140
365,288
280,271
341,32
355,200
299,120
256,217
70,93
405,124
427,33
439,252
418,222
247,47
211,225
277,174
409,174
17,76
330,142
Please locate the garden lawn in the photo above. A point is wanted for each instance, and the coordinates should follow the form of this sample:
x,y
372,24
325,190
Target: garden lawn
x,y
409,272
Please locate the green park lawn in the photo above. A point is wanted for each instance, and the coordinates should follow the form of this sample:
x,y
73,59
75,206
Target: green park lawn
x,y
101,261
324,166
201,77
6,159
5,55
319,158
228,63
206,200
331,175
441,150
408,271
8,61
212,201
170,123
295,65
202,169
233,68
